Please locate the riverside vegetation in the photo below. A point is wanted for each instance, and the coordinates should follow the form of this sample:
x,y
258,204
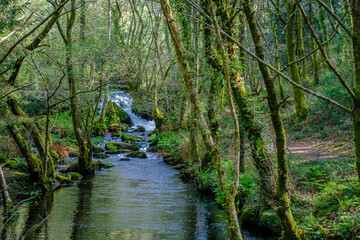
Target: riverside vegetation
x,y
230,86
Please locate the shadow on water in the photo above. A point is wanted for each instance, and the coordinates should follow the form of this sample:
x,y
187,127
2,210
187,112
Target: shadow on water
x,y
83,206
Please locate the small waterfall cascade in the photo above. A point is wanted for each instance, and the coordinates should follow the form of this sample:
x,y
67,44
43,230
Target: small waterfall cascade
x,y
124,100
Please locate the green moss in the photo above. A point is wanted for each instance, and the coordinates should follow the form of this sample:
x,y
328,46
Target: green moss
x,y
140,129
108,165
121,146
137,155
130,138
74,176
16,165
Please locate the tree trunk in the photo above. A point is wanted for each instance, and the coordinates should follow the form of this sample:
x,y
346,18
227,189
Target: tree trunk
x,y
185,68
7,202
34,164
355,9
86,166
282,205
315,61
300,105
305,74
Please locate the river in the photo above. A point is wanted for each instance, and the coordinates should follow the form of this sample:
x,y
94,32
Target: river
x,y
138,199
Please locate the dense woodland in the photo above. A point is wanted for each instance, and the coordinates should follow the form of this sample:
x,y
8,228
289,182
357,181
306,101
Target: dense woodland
x,y
232,86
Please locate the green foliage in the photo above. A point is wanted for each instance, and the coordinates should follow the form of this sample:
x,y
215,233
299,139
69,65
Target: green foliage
x,y
169,141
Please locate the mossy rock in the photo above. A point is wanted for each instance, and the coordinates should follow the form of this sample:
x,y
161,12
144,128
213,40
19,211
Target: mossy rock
x,y
116,151
97,150
123,116
16,165
100,155
140,129
130,138
124,159
137,155
99,165
122,127
74,176
108,165
121,146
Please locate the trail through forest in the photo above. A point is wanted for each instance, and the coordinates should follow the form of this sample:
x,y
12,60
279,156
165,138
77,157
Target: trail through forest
x,y
309,151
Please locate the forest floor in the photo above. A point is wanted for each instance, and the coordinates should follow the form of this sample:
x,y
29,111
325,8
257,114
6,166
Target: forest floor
x,y
310,150
320,149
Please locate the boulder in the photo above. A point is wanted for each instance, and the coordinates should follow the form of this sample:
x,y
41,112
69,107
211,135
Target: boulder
x,y
121,146
122,127
124,159
118,151
140,129
130,138
137,154
124,117
100,155
74,176
99,165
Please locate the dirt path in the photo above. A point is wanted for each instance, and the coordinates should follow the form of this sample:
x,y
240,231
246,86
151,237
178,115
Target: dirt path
x,y
309,150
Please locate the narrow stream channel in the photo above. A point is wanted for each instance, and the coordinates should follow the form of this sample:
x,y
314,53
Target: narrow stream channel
x,y
138,199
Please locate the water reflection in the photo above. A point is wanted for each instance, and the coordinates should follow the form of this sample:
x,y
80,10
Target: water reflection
x,y
109,207
83,207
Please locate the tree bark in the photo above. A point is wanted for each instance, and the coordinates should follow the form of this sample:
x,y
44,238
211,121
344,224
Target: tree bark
x,y
86,166
282,203
355,9
300,105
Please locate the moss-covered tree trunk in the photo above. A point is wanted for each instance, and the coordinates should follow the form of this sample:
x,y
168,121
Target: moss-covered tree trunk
x,y
300,105
198,111
282,203
355,7
33,163
85,163
7,202
315,61
304,71
277,59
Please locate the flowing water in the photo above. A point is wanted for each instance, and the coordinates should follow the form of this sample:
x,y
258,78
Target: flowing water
x,y
138,199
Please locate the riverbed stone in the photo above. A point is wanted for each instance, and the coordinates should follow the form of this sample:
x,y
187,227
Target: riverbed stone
x,y
124,159
74,176
140,129
108,165
137,155
118,151
130,138
124,117
100,155
121,146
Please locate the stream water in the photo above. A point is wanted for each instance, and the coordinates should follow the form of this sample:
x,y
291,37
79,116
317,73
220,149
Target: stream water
x,y
138,199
